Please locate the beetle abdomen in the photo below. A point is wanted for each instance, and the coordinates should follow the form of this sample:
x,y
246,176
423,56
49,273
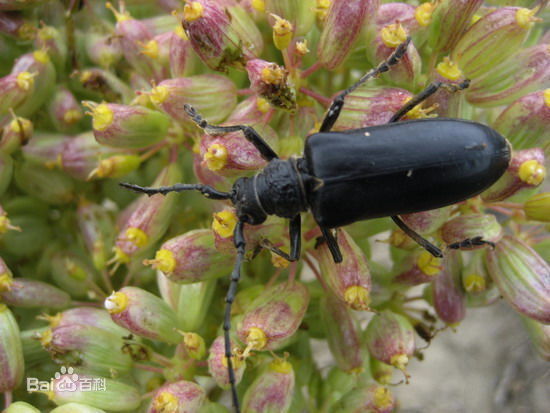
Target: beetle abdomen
x,y
401,168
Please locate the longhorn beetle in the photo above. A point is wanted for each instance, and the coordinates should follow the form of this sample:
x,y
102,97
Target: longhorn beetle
x,y
379,171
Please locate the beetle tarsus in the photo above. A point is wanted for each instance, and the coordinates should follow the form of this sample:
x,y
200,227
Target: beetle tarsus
x,y
470,243
206,190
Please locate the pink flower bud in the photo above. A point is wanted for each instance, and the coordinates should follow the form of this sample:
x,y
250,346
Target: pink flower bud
x,y
180,53
274,316
143,314
525,122
54,41
16,134
448,295
64,110
191,257
402,13
15,89
103,50
349,280
181,396
28,293
522,276
390,339
367,398
526,170
342,333
270,81
469,226
343,25
217,363
427,222
272,390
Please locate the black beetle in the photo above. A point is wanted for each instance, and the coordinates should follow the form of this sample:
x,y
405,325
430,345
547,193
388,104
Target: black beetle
x,y
348,176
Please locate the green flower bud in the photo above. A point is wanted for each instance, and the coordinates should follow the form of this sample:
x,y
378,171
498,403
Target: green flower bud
x,y
172,95
28,293
143,314
274,316
390,339
124,126
192,304
21,407
427,222
35,233
381,372
525,122
54,41
6,172
10,351
48,185
418,268
72,272
76,408
540,337
525,72
526,170
475,278
33,352
149,218
468,226
349,280
272,390
92,349
448,296
342,333
181,396
217,363
191,257
102,50
522,276
99,84
271,81
16,134
15,89
343,24
492,39
537,207
64,110
115,166
113,396
367,398
40,66
245,28
298,14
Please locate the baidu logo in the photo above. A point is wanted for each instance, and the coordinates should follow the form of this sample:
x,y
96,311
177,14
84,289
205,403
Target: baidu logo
x,y
66,380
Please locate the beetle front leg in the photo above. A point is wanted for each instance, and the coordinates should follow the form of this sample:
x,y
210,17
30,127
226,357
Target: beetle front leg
x,y
338,103
206,190
249,133
425,94
239,241
295,234
424,243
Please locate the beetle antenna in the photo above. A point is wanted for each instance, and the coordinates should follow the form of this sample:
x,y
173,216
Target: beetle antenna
x,y
206,190
239,241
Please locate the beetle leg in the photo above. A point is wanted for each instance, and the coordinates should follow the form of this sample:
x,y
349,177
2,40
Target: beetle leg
x,y
425,94
295,233
206,190
424,243
470,243
338,102
249,133
239,241
332,245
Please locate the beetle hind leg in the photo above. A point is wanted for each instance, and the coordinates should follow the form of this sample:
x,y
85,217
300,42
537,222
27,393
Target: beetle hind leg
x,y
338,103
423,242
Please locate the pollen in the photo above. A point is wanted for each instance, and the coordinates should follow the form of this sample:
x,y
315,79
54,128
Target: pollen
x,y
180,32
166,402
423,14
164,261
449,69
150,49
474,283
102,116
6,280
103,170
25,80
46,33
120,16
72,116
120,256
216,157
357,297
258,5
301,48
137,237
280,365
45,337
382,397
393,35
116,302
193,11
418,112
263,104
273,75
159,94
399,361
282,32
5,225
532,172
428,264
256,338
278,261
21,125
546,95
224,223
525,18
41,56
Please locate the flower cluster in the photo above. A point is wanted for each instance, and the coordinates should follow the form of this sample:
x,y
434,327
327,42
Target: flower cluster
x,y
129,289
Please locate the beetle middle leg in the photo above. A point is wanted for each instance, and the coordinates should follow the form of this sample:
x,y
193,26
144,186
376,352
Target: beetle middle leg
x,y
249,133
295,233
338,103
